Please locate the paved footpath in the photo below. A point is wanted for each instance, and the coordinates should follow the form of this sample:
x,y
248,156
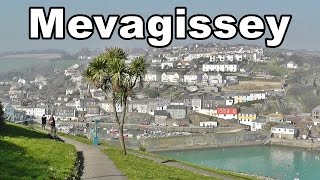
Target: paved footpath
x,y
96,165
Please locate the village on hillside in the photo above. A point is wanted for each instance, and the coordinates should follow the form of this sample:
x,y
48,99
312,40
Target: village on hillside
x,y
223,87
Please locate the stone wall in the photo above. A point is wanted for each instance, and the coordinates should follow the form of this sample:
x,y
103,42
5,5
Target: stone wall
x,y
296,143
204,140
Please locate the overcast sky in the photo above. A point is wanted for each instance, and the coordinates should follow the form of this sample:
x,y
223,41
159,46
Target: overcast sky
x,y
304,30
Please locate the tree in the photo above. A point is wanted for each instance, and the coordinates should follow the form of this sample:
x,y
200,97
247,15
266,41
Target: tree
x,y
117,79
2,116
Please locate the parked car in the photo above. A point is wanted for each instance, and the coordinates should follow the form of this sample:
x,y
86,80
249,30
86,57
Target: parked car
x,y
184,125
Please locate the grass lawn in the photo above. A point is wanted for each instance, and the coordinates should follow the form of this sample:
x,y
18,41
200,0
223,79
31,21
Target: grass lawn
x,y
135,167
29,154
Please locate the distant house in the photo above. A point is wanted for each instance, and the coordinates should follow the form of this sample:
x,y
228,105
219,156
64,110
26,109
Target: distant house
x,y
213,78
315,115
108,107
275,117
70,91
36,112
161,116
40,80
209,124
191,77
93,110
9,111
247,116
19,115
231,79
163,103
227,112
258,124
177,111
285,132
292,65
219,67
247,97
66,113
152,76
167,65
139,106
196,103
170,77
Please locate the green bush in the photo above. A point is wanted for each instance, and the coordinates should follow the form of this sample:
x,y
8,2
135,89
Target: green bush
x,y
2,118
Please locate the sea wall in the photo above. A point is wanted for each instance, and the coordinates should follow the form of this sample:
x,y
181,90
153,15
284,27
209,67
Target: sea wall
x,y
295,143
204,140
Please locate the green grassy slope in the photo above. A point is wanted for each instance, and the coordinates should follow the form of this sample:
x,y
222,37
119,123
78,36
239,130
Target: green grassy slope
x,y
29,154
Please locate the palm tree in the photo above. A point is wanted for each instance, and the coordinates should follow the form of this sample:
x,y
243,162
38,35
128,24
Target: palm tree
x,y
109,72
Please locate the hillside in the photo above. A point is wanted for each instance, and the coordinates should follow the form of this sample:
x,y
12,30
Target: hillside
x,y
29,154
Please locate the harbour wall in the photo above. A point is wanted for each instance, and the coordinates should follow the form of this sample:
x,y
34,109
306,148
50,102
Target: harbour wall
x,y
296,143
204,141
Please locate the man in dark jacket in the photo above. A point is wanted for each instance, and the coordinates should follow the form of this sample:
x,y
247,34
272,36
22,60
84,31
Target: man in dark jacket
x,y
44,122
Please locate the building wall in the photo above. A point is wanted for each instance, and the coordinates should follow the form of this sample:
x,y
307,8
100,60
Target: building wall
x,y
247,117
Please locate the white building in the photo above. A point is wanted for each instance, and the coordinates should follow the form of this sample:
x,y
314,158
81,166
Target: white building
x,y
167,64
209,124
207,67
292,65
22,81
108,107
151,77
191,77
171,77
212,78
70,91
258,124
36,112
286,132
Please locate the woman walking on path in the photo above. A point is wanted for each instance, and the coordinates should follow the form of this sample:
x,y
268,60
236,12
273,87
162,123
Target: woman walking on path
x,y
53,126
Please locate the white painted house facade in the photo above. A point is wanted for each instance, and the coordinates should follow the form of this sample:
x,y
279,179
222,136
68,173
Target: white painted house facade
x,y
211,67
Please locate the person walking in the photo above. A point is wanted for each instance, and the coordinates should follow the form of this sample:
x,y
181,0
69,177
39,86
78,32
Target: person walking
x,y
44,122
53,126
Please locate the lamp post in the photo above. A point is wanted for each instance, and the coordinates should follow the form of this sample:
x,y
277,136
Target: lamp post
x,y
96,138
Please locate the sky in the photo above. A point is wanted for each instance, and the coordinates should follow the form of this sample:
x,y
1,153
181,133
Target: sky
x,y
303,31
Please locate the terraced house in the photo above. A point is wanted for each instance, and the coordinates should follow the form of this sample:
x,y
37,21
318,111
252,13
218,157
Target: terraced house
x,y
247,116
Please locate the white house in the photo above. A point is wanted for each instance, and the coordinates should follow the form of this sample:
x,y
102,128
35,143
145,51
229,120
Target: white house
x,y
8,110
36,112
212,78
108,107
209,124
156,60
152,77
258,124
292,65
22,81
70,91
207,67
167,64
286,132
191,77
171,77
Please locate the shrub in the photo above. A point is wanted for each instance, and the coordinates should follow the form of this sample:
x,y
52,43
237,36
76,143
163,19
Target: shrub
x,y
2,116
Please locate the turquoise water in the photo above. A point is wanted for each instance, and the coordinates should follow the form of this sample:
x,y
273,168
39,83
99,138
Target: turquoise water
x,y
273,161
7,65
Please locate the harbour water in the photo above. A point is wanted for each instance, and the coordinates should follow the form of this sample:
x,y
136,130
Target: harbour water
x,y
274,161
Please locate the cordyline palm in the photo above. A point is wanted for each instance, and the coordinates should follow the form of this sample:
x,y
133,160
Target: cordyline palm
x,y
109,72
